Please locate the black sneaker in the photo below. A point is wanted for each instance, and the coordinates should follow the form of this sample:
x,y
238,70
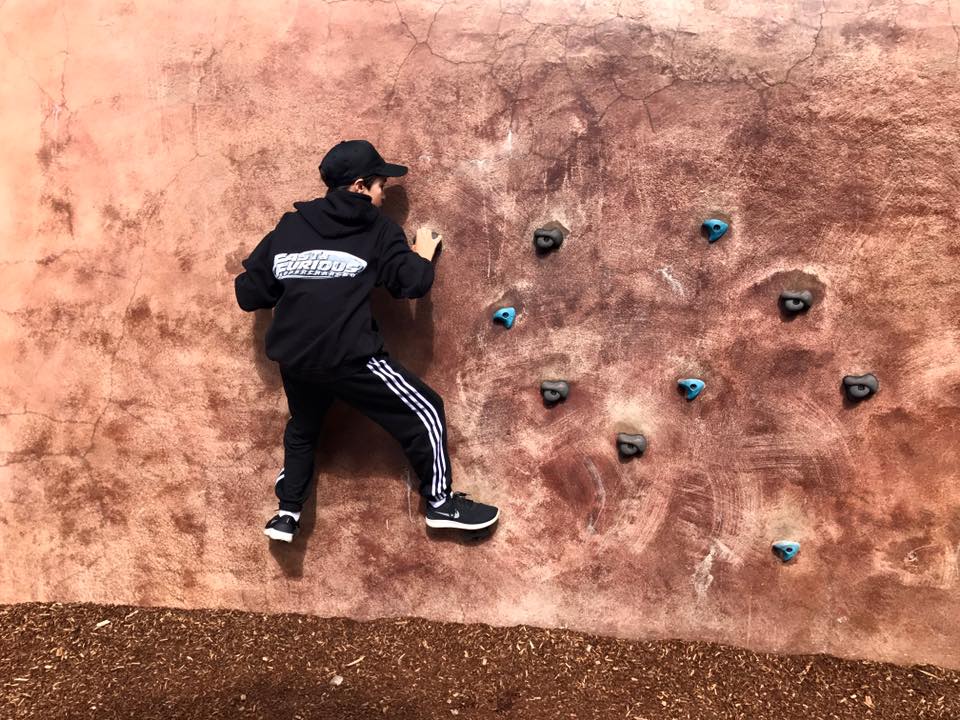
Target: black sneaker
x,y
282,527
462,514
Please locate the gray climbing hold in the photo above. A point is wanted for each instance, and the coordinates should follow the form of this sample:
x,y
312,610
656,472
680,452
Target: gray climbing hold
x,y
860,387
786,550
796,301
630,445
545,240
554,391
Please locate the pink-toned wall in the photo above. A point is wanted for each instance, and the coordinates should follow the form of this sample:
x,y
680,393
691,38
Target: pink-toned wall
x,y
148,147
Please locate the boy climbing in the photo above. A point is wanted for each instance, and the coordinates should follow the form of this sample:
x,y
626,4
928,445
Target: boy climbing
x,y
317,269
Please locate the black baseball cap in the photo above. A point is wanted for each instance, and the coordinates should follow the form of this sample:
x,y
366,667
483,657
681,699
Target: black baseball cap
x,y
350,159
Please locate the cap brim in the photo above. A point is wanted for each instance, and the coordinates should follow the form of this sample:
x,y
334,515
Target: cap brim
x,y
391,170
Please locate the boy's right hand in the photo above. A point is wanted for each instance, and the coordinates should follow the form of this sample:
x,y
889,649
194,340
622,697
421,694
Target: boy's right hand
x,y
426,243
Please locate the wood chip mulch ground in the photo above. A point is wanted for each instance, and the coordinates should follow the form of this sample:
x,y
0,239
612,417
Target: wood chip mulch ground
x,y
116,661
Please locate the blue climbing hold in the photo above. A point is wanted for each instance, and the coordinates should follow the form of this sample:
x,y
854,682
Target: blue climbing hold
x,y
714,229
506,316
786,550
693,386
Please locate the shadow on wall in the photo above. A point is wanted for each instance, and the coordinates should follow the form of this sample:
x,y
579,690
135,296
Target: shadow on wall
x,y
267,369
406,325
349,441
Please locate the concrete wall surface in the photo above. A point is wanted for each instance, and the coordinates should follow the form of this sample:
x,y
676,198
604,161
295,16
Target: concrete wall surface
x,y
148,147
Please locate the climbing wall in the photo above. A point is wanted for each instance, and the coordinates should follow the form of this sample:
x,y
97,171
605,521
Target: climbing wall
x,y
141,427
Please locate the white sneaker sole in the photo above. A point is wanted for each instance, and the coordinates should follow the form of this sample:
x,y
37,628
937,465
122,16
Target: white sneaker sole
x,y
457,525
277,535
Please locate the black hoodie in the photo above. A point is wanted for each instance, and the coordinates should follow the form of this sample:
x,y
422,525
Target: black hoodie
x,y
317,269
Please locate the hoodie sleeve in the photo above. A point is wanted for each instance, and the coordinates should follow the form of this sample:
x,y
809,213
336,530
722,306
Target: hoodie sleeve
x,y
404,273
257,287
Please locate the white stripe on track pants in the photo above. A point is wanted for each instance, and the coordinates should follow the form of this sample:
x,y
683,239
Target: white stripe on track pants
x,y
387,393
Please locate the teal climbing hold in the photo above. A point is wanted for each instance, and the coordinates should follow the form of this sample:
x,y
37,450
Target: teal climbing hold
x,y
506,316
693,386
786,550
714,229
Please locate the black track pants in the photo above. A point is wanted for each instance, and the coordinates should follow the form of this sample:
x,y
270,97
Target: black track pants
x,y
387,393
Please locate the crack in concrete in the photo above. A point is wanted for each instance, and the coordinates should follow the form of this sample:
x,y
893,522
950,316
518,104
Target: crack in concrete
x,y
163,190
62,105
646,97
35,457
55,586
113,356
48,259
816,43
956,31
56,106
416,44
673,42
205,70
762,92
44,415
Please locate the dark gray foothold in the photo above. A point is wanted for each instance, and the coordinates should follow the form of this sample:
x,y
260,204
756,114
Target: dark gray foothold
x,y
554,391
796,301
434,234
860,387
630,445
545,240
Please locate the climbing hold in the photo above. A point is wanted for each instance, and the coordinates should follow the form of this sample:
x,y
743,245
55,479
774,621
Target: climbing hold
x,y
630,445
860,387
554,391
786,550
796,301
546,240
714,229
693,386
506,316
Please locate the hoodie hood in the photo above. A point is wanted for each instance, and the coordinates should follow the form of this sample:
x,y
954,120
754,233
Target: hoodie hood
x,y
339,213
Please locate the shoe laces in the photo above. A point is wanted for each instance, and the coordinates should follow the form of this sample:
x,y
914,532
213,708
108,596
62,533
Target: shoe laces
x,y
460,500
